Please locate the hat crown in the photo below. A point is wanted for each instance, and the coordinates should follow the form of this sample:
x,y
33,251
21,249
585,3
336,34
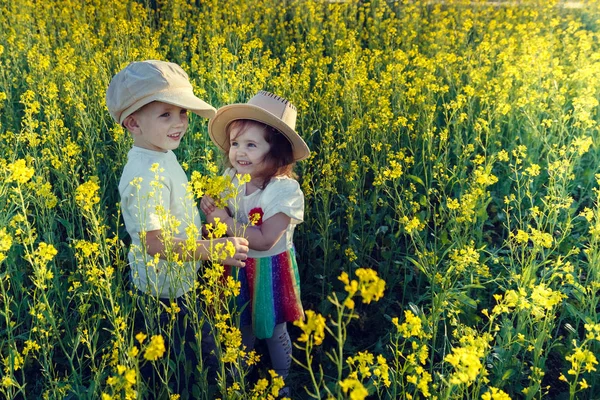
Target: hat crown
x,y
278,106
142,82
266,108
153,76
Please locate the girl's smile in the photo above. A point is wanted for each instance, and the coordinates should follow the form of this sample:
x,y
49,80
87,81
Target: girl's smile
x,y
248,149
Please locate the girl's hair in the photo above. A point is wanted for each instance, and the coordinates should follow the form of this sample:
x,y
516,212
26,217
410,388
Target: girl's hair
x,y
279,161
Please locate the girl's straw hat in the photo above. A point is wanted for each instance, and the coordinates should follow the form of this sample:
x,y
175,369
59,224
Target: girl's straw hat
x,y
264,107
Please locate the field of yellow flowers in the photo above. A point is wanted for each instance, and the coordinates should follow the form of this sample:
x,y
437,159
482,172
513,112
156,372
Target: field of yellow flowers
x,y
451,247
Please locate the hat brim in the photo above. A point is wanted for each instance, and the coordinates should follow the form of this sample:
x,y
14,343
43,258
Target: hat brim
x,y
183,98
217,127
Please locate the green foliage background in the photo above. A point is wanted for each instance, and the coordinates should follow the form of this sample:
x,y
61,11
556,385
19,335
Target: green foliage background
x,y
454,151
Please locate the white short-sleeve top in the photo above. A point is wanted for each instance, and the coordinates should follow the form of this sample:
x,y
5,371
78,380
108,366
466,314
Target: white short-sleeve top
x,y
153,181
281,195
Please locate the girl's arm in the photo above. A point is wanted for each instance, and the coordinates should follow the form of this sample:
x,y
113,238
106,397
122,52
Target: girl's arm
x,y
260,237
155,245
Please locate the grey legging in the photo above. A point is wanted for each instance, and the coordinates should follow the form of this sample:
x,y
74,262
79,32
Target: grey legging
x,y
279,345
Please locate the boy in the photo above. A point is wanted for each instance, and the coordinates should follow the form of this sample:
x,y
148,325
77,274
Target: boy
x,y
151,99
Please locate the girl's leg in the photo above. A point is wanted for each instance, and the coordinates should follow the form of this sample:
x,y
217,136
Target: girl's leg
x,y
248,337
280,350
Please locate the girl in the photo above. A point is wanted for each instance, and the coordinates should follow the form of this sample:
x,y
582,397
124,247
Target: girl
x,y
260,140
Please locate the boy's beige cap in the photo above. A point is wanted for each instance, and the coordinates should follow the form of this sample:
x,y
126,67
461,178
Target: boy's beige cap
x,y
264,107
142,82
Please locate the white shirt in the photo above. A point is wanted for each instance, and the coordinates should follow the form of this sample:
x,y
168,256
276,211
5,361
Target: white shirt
x,y
282,195
144,194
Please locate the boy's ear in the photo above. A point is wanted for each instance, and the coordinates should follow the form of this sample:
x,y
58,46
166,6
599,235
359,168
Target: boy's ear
x,y
131,124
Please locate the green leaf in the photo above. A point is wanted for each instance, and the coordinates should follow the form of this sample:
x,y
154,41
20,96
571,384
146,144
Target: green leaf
x,y
507,374
416,179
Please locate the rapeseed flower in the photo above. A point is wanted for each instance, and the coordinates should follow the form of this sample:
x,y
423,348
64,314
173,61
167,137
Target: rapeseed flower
x,y
581,360
370,285
314,327
19,172
411,327
5,243
541,239
350,254
86,194
533,170
354,388
7,381
216,229
382,371
467,365
495,394
222,251
156,348
593,331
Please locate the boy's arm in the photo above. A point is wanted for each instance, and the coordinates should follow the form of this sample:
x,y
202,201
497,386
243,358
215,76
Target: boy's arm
x,y
260,237
155,245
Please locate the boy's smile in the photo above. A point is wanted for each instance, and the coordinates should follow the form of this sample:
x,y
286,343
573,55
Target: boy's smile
x,y
159,126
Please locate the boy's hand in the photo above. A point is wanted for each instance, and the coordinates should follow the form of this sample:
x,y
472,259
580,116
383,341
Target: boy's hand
x,y
207,204
241,251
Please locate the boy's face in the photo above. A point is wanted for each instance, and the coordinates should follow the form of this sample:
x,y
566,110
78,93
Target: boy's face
x,y
159,126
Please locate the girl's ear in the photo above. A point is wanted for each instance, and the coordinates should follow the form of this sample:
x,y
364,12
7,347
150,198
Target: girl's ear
x,y
131,124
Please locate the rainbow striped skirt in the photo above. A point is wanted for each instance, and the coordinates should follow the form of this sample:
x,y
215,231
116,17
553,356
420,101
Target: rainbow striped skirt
x,y
270,292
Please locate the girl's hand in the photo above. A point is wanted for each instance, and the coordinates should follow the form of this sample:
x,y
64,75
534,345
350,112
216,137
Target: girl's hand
x,y
207,204
241,251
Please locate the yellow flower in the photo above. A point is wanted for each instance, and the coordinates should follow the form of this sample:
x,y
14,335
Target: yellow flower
x,y
223,251
219,188
541,239
382,371
495,394
133,352
453,204
86,194
466,359
155,349
19,172
370,285
581,359
502,155
30,346
217,229
7,381
582,144
5,243
411,327
314,326
350,286
130,376
349,303
350,254
355,387
593,331
545,297
521,236
533,170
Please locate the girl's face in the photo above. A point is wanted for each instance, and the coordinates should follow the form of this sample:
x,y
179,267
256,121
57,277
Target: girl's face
x,y
248,149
